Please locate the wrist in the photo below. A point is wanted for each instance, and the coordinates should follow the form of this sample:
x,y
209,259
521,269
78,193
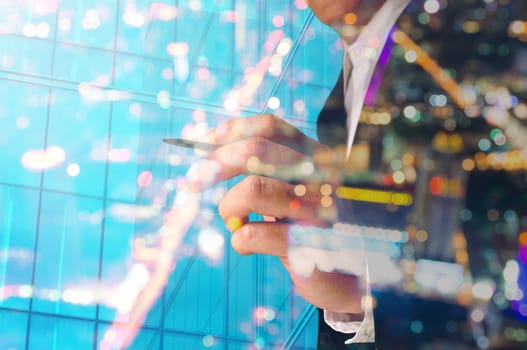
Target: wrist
x,y
344,317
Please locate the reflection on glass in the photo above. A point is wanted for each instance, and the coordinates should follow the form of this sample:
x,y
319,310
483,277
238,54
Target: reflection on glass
x,y
102,247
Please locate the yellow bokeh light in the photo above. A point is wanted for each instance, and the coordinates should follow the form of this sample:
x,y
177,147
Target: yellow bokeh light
x,y
326,189
462,257
398,177
326,201
522,238
234,223
253,164
374,196
421,236
350,18
468,164
300,190
517,27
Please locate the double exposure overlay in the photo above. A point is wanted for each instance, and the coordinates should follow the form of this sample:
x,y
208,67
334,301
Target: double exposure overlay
x,y
102,246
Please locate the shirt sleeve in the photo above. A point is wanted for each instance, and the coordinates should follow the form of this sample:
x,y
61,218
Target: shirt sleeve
x,y
364,330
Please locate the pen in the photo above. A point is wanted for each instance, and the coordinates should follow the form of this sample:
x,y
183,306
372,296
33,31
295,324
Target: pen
x,y
305,148
292,173
202,146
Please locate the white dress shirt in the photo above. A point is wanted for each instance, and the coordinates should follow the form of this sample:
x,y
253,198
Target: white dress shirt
x,y
360,59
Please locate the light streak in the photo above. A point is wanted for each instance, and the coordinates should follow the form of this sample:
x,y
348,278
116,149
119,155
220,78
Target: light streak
x,y
495,115
134,296
133,213
243,94
128,322
441,77
374,196
92,93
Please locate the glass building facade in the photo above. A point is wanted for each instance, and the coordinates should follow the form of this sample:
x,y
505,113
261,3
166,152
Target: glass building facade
x,y
100,248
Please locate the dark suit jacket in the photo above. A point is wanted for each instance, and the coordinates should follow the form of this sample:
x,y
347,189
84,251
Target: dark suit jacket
x,y
394,313
331,130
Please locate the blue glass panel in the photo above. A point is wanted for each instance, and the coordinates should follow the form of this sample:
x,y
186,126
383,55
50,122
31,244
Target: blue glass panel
x,y
123,167
88,23
119,230
189,305
144,75
84,142
158,37
239,345
131,38
316,96
146,340
218,49
243,295
48,332
17,244
13,330
319,56
75,63
306,330
23,123
25,55
191,342
137,148
276,294
68,254
211,91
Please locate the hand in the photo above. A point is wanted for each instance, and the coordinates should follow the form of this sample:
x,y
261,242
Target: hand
x,y
267,145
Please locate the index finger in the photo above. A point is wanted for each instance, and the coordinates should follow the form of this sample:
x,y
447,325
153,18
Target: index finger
x,y
255,155
267,126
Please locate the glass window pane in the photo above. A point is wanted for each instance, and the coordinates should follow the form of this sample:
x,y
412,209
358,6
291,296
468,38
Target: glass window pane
x,y
13,331
189,305
88,23
185,341
68,255
60,333
75,63
23,132
84,143
24,55
17,244
143,339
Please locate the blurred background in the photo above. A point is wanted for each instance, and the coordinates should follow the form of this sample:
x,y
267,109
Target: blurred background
x,y
88,258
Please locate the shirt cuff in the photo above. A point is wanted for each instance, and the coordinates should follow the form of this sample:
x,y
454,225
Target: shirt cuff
x,y
364,330
346,323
